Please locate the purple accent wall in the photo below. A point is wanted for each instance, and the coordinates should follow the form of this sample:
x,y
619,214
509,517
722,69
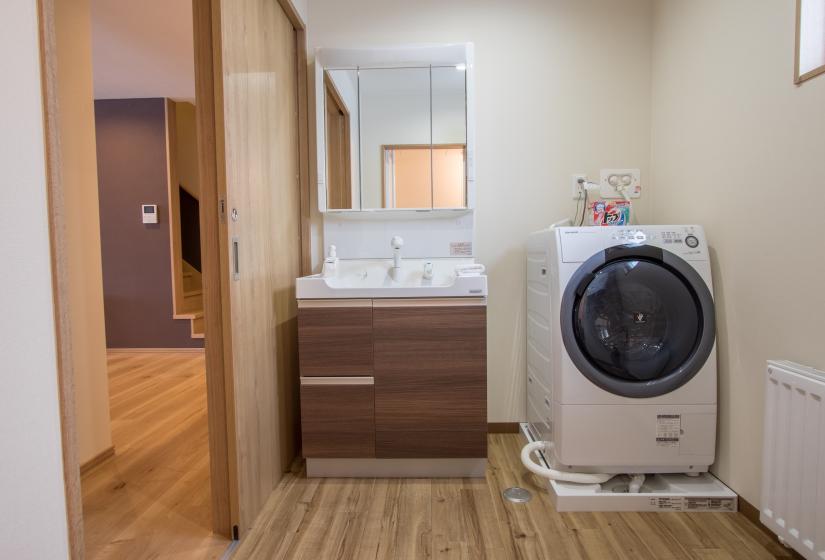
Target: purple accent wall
x,y
137,281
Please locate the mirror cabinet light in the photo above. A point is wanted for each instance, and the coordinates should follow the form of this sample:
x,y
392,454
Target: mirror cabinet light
x,y
810,39
395,134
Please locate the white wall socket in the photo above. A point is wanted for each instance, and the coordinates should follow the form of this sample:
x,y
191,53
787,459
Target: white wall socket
x,y
578,188
613,181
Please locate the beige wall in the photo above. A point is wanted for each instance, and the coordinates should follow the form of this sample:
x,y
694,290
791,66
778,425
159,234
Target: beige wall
x,y
301,6
79,168
32,498
187,148
562,87
740,149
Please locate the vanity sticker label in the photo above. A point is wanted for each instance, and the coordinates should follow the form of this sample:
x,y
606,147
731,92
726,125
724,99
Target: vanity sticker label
x,y
668,429
461,249
710,504
667,503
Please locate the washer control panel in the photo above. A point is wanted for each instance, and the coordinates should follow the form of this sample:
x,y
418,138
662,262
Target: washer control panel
x,y
630,236
577,244
684,240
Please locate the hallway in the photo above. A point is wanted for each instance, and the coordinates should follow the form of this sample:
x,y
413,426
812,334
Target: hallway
x,y
151,500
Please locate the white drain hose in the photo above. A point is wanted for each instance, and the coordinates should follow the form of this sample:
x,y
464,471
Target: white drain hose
x,y
552,474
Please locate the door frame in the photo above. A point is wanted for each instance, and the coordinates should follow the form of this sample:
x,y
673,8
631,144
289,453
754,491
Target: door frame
x,y
224,488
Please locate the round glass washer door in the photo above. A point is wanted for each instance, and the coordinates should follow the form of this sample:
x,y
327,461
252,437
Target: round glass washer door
x,y
638,321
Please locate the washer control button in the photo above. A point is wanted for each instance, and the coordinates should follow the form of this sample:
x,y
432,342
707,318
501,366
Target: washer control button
x,y
692,241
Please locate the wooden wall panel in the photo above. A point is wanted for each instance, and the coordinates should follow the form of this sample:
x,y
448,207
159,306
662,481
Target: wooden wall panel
x,y
261,148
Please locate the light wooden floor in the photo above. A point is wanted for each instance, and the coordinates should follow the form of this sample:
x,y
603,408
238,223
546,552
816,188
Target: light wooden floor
x,y
468,519
152,499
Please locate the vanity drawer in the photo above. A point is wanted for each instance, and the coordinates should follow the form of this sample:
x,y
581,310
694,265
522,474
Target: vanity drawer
x,y
335,337
338,417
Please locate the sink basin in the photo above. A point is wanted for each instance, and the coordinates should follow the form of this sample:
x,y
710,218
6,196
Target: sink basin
x,y
375,278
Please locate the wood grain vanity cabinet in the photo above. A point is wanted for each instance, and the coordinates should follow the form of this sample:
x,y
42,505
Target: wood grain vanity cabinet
x,y
338,417
335,337
430,378
398,379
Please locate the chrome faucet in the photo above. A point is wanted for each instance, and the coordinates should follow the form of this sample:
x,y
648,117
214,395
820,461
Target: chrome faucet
x,y
396,243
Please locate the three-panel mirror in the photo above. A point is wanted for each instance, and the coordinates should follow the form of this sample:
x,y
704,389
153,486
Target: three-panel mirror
x,y
395,138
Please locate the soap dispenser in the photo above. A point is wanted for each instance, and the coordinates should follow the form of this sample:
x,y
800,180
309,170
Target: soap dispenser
x,y
330,263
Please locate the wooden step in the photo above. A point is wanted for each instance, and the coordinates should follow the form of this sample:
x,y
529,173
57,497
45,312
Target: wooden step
x,y
190,305
198,325
192,293
191,283
192,279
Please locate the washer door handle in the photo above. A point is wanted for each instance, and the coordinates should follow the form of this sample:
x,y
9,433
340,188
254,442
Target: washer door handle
x,y
633,251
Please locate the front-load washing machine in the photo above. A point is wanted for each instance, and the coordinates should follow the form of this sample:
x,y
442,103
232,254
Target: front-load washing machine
x,y
621,361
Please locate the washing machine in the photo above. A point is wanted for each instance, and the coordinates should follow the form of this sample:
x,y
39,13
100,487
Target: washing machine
x,y
621,354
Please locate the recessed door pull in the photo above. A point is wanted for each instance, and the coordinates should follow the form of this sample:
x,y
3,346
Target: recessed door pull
x,y
236,265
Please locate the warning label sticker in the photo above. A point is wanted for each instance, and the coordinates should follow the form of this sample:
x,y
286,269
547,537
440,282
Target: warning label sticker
x,y
668,429
710,504
692,503
461,249
668,503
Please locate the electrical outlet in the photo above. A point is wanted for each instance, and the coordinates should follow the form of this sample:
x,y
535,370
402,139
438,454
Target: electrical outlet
x,y
578,188
614,181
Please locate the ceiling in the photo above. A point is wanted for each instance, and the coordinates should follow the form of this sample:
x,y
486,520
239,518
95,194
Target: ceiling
x,y
143,49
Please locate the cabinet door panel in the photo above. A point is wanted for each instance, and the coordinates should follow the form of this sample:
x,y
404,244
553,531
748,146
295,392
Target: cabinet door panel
x,y
430,381
338,420
335,340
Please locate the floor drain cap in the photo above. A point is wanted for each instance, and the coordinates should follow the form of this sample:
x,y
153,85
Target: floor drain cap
x,y
517,495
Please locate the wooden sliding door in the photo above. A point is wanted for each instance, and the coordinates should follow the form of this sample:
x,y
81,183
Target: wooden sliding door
x,y
255,216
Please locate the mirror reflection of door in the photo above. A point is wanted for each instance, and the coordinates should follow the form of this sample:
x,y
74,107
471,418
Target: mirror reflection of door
x,y
339,188
418,176
396,137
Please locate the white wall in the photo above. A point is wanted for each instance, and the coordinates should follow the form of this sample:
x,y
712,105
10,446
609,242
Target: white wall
x,y
79,174
143,49
449,106
302,7
562,87
740,149
390,116
32,499
395,109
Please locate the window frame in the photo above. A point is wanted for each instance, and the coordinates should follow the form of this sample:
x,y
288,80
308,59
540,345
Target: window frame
x,y
388,173
800,78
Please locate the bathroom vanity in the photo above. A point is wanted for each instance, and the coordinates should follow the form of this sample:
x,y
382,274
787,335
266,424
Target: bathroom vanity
x,y
393,386
392,350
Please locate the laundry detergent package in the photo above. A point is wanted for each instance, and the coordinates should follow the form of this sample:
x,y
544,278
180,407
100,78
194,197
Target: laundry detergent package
x,y
610,213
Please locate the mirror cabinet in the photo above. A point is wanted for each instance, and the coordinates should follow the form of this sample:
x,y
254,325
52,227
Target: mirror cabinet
x,y
394,129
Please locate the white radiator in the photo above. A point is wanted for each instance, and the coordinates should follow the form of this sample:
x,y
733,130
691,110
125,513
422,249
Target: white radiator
x,y
793,475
